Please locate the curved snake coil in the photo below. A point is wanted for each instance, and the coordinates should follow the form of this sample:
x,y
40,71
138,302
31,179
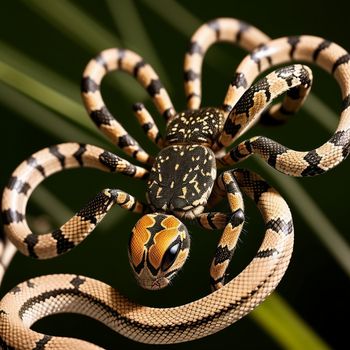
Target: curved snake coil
x,y
244,105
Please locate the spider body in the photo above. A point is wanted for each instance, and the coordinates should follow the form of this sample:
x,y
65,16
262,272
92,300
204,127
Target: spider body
x,y
184,172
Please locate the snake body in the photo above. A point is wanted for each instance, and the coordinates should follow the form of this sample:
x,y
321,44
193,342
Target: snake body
x,y
193,140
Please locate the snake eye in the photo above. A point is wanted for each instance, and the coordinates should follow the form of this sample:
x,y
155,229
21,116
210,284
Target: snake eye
x,y
170,256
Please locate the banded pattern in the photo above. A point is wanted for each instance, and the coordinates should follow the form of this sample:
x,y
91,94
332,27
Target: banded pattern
x,y
232,231
295,79
41,165
218,30
329,56
28,302
130,62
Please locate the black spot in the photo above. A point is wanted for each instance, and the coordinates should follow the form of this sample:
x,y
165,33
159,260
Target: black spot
x,y
55,152
5,346
346,102
121,55
154,87
30,284
138,66
342,138
63,244
324,44
239,80
194,47
138,106
18,185
215,26
34,164
269,147
31,240
40,344
266,253
190,75
109,160
280,225
89,85
101,116
258,54
341,60
237,218
227,108
101,61
243,27
293,41
77,281
9,216
168,113
210,217
78,155
191,95
15,290
222,254
147,126
313,169
231,129
126,141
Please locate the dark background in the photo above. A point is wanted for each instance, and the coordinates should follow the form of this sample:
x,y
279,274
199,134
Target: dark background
x,y
315,285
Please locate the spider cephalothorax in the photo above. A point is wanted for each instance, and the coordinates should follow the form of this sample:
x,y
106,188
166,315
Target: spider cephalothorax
x,y
158,248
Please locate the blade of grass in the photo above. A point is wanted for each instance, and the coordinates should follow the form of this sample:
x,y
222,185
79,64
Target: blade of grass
x,y
174,14
77,25
278,318
47,96
19,61
45,119
125,14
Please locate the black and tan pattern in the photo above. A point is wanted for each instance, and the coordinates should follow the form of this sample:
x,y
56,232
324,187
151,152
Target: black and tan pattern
x,y
329,56
218,30
182,183
129,62
71,293
46,162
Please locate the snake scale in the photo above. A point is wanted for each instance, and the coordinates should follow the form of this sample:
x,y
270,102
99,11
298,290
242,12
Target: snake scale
x,y
182,184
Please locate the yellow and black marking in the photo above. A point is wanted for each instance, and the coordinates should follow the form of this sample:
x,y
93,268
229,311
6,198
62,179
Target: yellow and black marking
x,y
41,165
158,248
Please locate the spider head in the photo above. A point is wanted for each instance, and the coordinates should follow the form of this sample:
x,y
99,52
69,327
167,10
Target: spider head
x,y
158,248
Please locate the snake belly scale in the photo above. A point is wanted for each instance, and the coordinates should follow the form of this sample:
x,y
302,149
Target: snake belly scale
x,y
183,183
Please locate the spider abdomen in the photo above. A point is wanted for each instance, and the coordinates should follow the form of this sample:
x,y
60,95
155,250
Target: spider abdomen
x,y
196,126
182,179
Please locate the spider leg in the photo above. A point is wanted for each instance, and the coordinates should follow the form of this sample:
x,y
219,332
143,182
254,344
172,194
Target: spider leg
x,y
232,229
218,30
330,57
130,62
295,80
148,125
30,173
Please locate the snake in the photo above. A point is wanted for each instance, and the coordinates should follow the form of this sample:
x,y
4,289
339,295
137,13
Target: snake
x,y
182,184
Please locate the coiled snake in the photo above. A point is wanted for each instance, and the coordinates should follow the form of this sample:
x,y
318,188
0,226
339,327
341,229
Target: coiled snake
x,y
182,183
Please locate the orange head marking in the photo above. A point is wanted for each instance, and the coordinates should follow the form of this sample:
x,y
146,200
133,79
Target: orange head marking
x,y
158,248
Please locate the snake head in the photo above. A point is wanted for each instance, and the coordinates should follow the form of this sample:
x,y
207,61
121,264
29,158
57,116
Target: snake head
x,y
158,248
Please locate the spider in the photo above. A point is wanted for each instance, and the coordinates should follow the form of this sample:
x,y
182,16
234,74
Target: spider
x,y
183,182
